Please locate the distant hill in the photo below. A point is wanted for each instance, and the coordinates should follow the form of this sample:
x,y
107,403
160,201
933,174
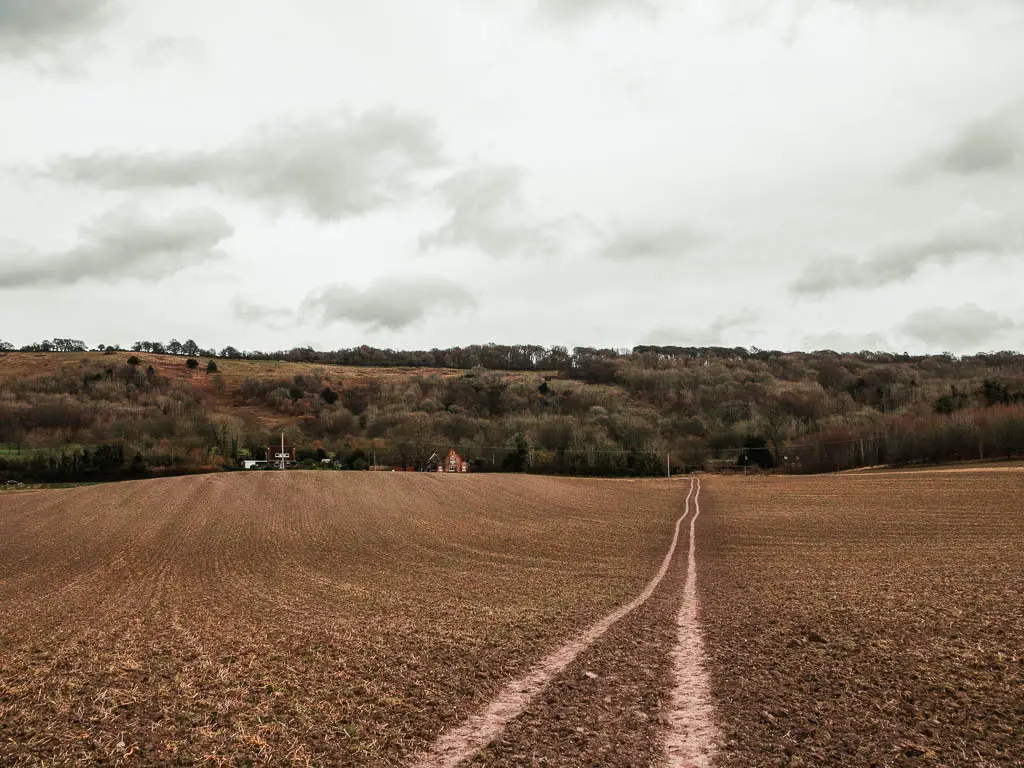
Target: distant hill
x,y
594,412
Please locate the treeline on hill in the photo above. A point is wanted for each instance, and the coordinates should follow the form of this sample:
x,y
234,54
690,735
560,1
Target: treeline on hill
x,y
599,412
527,357
585,363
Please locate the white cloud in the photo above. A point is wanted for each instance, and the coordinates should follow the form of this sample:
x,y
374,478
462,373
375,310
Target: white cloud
x,y
572,11
729,330
847,342
169,51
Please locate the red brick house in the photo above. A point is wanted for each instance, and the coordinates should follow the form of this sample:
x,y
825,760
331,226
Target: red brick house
x,y
454,463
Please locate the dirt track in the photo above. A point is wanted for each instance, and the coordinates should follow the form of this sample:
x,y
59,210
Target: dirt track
x,y
691,738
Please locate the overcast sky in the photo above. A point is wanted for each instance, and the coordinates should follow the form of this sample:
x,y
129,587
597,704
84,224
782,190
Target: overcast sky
x,y
797,174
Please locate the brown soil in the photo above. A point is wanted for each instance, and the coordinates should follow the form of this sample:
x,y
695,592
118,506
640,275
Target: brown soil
x,y
607,707
999,465
307,618
352,618
870,620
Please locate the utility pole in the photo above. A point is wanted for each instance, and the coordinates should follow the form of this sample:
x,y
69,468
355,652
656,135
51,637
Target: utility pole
x,y
668,465
282,449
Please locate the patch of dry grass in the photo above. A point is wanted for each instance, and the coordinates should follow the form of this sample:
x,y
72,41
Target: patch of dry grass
x,y
234,372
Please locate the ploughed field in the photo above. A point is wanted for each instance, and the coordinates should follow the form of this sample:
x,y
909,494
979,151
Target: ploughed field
x,y
307,618
860,620
301,617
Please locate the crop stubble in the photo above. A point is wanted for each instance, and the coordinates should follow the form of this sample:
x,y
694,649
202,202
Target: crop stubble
x,y
871,620
320,618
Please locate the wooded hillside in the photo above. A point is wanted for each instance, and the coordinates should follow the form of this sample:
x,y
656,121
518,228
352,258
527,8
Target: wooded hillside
x,y
75,415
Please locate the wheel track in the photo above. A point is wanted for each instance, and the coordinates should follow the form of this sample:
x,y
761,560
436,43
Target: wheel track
x,y
691,738
461,743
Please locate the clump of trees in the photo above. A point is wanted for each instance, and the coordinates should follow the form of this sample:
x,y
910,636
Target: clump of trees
x,y
48,345
187,348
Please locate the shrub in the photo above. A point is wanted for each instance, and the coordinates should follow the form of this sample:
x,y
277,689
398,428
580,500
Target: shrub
x,y
192,363
211,367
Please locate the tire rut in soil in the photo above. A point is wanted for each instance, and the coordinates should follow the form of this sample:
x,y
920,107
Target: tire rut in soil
x,y
606,707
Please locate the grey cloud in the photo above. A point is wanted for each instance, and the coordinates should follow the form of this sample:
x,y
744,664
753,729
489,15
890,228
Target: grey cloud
x,y
901,262
27,25
488,212
654,243
125,243
958,328
388,303
993,144
262,314
332,167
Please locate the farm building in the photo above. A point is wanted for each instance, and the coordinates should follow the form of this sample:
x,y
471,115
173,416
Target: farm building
x,y
275,453
454,463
